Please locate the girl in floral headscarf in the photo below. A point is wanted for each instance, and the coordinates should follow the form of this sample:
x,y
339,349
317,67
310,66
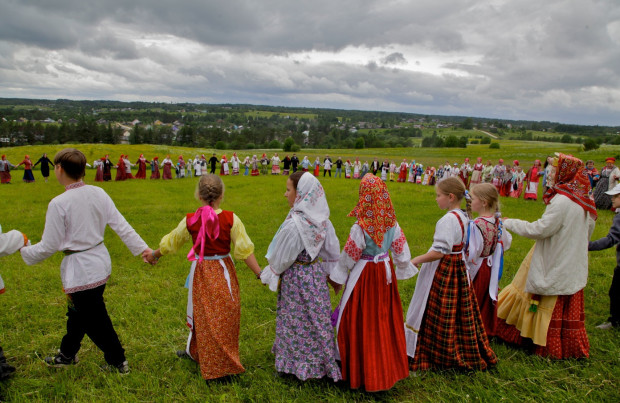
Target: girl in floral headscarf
x,y
120,169
545,302
301,255
369,321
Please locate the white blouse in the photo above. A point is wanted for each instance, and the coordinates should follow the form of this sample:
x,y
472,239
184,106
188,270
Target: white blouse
x,y
284,253
76,221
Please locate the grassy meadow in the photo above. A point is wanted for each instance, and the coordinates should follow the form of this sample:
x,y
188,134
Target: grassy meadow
x,y
147,303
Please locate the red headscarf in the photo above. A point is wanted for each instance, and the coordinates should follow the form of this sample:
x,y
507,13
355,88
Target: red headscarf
x,y
571,180
374,210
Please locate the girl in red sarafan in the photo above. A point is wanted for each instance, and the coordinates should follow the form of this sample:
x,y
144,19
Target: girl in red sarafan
x,y
371,340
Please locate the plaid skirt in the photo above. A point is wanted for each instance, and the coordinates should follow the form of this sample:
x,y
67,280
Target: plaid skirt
x,y
566,336
452,334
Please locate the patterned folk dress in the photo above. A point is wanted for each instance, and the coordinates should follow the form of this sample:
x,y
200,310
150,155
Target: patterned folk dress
x,y
444,328
214,308
301,256
484,256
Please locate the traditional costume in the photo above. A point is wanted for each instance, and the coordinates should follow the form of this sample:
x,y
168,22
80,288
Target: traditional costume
x,y
357,167
155,168
213,303
255,165
98,165
532,178
234,161
402,174
120,169
464,172
5,170
412,172
167,168
275,165
302,253
609,178
27,163
371,341
107,168
141,163
264,162
484,254
128,165
444,328
476,172
317,166
347,169
545,302
517,183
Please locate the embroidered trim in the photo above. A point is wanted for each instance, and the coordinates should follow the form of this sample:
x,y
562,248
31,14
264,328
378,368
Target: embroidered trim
x,y
75,185
87,286
411,328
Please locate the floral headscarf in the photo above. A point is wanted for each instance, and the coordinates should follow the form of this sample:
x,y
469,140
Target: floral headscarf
x,y
571,180
374,210
310,213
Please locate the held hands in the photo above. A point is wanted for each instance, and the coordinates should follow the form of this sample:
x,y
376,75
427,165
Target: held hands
x,y
337,287
148,256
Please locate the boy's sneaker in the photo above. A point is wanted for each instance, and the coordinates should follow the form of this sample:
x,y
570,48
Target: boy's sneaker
x,y
122,368
60,360
605,326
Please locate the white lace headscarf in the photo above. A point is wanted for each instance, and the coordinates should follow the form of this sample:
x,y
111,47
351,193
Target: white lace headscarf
x,y
310,213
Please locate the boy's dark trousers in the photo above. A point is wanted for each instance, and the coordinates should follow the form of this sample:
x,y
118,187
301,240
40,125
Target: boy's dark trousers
x,y
614,298
87,315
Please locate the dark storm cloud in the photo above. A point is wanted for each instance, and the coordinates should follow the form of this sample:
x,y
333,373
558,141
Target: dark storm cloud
x,y
521,59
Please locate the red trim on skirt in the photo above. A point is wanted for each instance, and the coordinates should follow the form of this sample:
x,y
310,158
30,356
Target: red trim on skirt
x,y
566,337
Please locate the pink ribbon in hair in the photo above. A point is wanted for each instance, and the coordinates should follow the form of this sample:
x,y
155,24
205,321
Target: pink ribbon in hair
x,y
209,227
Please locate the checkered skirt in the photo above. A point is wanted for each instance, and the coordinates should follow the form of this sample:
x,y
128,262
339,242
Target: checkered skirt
x,y
452,334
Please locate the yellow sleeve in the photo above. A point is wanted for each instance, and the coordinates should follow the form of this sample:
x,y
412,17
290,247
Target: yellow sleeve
x,y
174,240
243,245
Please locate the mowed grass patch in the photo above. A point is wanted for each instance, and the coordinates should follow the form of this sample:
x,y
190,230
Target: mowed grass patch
x,y
147,305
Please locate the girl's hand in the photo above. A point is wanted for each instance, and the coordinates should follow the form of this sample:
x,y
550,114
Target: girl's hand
x,y
415,261
337,287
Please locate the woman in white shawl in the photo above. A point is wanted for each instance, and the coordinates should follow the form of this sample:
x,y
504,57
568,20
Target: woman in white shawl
x,y
301,256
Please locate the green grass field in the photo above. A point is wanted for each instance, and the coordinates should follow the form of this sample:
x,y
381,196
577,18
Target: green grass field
x,y
147,303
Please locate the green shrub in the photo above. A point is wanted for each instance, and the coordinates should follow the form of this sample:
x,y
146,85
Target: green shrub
x,y
494,146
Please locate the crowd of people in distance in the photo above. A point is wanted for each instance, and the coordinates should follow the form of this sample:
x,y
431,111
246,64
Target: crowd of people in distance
x,y
455,308
511,180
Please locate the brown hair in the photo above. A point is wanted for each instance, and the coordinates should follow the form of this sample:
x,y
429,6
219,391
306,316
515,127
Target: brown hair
x,y
72,161
295,178
488,193
210,187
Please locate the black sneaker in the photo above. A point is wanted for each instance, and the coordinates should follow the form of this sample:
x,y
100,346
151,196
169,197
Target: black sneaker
x,y
61,361
6,371
123,368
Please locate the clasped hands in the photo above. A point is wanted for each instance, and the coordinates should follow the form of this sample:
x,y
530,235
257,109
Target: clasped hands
x,y
148,256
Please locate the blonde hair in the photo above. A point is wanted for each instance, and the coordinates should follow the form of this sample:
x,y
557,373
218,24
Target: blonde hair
x,y
455,186
210,187
488,193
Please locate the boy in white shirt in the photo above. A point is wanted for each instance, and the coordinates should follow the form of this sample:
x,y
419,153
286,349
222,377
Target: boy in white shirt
x,y
10,242
75,224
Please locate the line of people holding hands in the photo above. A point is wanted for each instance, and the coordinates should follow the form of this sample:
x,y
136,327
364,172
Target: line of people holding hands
x,y
454,310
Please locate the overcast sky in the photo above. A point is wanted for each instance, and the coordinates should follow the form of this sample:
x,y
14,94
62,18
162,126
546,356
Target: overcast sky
x,y
556,60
